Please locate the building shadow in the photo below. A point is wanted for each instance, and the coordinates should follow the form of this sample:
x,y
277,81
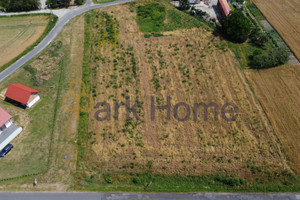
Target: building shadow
x,y
217,11
15,103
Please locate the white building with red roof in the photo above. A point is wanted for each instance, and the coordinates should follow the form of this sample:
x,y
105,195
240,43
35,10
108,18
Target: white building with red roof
x,y
8,131
22,94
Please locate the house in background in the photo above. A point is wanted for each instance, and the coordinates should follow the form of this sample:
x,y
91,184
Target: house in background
x,y
22,94
224,8
8,131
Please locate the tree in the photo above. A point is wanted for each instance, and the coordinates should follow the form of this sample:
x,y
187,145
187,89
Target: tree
x,y
79,2
258,38
20,5
271,58
58,3
236,26
184,5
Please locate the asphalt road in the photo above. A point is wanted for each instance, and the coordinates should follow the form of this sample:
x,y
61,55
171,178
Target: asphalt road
x,y
52,35
148,196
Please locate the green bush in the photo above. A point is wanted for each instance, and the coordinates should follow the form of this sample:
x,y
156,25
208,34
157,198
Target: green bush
x,y
79,2
20,5
271,58
184,5
109,180
136,180
58,3
258,38
230,181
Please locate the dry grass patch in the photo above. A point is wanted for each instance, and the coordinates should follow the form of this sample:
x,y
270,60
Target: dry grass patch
x,y
190,66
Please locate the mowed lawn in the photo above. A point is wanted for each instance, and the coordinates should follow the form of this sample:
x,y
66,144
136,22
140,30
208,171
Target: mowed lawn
x,y
17,33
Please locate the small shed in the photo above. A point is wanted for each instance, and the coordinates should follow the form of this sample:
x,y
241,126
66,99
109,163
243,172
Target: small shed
x,y
22,94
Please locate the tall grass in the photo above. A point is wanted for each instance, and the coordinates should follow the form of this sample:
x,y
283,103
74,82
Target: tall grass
x,y
86,76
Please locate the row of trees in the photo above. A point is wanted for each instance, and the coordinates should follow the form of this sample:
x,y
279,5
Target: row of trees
x,y
19,5
58,3
62,3
238,28
27,5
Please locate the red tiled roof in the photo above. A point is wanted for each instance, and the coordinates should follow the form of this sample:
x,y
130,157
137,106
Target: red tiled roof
x,y
4,117
19,92
225,7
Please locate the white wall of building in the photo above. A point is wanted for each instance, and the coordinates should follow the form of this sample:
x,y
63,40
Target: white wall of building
x,y
34,101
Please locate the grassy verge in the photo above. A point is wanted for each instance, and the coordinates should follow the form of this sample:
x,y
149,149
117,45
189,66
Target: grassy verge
x,y
86,75
102,1
49,27
148,182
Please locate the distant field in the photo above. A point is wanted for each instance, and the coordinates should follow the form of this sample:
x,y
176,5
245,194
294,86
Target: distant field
x,y
284,16
278,91
18,33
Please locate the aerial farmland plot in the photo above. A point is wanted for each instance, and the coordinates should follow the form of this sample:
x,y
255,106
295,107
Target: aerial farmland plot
x,y
17,33
190,65
142,97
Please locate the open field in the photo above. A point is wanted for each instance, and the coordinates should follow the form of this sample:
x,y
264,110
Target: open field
x,y
184,60
17,33
278,91
189,65
284,17
46,149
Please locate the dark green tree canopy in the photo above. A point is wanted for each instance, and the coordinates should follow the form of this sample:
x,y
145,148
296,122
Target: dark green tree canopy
x,y
236,26
184,5
258,37
58,3
20,5
271,58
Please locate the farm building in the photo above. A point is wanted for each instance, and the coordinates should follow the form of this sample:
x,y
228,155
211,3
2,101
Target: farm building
x,y
224,8
22,94
8,131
